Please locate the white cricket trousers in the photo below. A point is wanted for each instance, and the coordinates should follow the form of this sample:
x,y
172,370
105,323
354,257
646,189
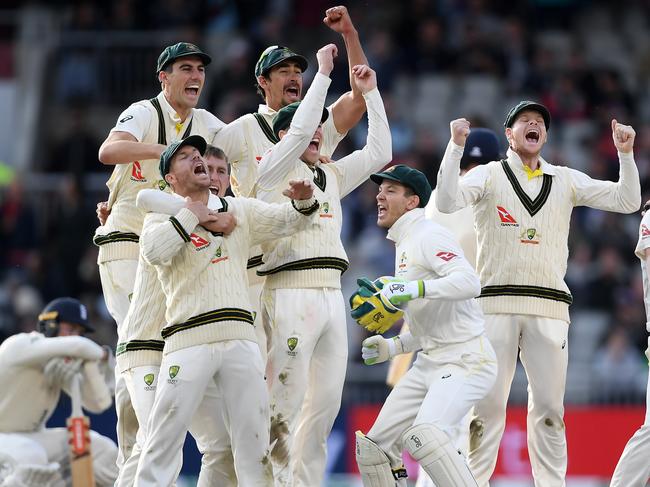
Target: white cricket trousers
x,y
542,344
54,442
207,427
117,278
633,468
308,353
255,296
440,388
235,368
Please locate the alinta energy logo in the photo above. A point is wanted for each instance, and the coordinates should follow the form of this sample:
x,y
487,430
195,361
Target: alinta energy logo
x,y
507,220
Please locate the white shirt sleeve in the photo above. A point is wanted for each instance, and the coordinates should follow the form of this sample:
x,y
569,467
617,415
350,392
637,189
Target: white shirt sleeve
x,y
623,196
163,236
213,124
135,120
281,159
454,192
331,136
355,168
153,200
458,280
36,349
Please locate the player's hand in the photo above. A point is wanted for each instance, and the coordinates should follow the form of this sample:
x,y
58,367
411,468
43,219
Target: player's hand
x,y
325,56
200,210
102,212
623,136
459,131
377,349
399,292
338,19
364,77
299,189
223,223
325,160
59,372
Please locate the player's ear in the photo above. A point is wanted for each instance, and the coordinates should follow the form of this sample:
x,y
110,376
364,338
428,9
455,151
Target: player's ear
x,y
281,133
170,179
412,202
262,81
162,76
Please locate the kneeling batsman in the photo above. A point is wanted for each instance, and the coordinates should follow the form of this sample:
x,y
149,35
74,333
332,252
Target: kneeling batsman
x,y
434,288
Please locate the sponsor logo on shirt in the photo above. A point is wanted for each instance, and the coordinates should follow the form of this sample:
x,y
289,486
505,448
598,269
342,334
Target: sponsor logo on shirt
x,y
402,261
645,232
126,119
136,173
218,257
325,210
507,220
446,256
529,236
199,242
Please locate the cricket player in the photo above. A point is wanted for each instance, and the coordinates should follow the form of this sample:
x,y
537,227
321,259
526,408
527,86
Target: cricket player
x,y
522,210
279,76
37,367
481,147
302,303
209,336
134,146
633,468
140,346
435,285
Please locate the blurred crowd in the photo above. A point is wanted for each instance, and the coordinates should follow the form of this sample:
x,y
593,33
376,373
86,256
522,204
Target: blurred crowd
x,y
436,60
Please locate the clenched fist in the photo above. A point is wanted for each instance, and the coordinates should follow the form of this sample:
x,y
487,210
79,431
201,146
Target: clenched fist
x,y
338,19
364,77
623,136
325,56
459,131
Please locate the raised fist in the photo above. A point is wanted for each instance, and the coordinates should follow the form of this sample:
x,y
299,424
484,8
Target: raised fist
x,y
459,131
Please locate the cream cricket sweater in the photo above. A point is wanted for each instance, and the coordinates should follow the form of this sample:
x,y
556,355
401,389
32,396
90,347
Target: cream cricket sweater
x,y
523,225
118,238
316,258
203,276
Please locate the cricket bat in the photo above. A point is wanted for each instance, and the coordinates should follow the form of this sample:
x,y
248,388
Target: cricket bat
x,y
81,459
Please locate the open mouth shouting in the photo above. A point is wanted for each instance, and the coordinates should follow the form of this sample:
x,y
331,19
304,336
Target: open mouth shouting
x,y
532,135
200,169
381,211
214,190
292,92
192,89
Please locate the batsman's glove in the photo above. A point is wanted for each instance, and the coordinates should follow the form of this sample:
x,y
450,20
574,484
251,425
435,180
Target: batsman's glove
x,y
59,372
377,349
372,310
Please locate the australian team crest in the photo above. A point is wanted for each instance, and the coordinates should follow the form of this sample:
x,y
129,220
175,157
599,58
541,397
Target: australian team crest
x,y
292,343
530,236
148,379
162,184
173,371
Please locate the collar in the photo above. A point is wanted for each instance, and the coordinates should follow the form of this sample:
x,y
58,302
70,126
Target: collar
x,y
214,202
516,164
404,223
267,111
173,116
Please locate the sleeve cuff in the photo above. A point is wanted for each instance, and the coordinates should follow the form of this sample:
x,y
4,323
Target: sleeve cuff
x,y
372,95
626,157
306,207
455,148
184,222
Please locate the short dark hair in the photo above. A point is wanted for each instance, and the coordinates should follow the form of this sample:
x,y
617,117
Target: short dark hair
x,y
218,153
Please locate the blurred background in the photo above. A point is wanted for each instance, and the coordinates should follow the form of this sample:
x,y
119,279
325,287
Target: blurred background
x,y
68,68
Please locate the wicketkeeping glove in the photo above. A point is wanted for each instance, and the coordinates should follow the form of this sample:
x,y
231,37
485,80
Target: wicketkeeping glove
x,y
377,349
371,310
399,291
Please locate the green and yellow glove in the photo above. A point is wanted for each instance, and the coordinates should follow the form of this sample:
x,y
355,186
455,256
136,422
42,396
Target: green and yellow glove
x,y
399,291
371,310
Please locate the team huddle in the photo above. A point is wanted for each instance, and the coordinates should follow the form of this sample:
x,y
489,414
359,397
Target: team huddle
x,y
230,316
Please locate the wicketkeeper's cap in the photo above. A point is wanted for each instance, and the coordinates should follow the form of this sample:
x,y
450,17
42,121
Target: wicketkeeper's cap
x,y
274,55
414,179
169,153
527,105
181,49
481,147
285,116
